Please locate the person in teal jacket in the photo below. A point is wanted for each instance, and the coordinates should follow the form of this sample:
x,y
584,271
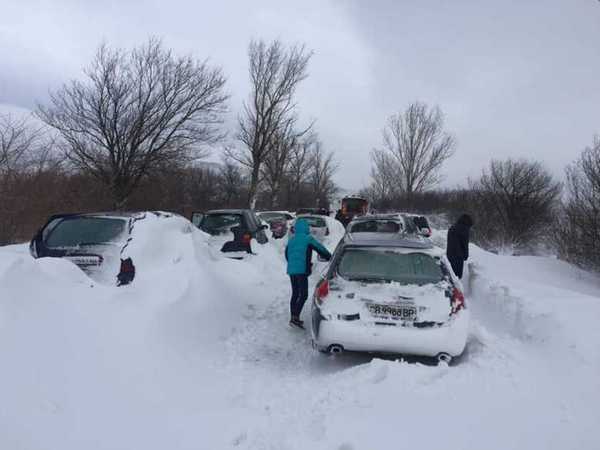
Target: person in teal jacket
x,y
298,254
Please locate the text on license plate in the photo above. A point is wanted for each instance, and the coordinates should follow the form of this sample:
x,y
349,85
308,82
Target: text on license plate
x,y
86,260
407,312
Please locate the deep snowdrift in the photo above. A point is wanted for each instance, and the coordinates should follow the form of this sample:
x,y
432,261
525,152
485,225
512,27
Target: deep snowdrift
x,y
197,354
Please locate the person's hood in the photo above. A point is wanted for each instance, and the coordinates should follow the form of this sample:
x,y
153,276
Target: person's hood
x,y
302,227
465,220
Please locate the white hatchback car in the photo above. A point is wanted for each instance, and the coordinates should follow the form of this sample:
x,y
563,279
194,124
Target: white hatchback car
x,y
386,293
318,225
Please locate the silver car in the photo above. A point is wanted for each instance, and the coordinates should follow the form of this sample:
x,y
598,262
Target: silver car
x,y
385,293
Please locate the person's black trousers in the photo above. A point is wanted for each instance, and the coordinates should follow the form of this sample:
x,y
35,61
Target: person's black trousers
x,y
299,293
457,265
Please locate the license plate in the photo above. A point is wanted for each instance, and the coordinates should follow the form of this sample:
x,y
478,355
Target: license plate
x,y
397,312
86,260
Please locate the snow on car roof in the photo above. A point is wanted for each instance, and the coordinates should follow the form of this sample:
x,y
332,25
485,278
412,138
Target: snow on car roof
x,y
388,216
227,211
387,240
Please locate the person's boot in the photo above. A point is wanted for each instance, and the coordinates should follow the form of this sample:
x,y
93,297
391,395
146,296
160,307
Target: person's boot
x,y
296,322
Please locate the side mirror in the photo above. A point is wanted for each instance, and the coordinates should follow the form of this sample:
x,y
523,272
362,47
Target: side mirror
x,y
35,242
33,248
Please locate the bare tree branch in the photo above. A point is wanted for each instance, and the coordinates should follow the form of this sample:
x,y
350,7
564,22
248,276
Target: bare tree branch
x,y
135,112
275,72
415,147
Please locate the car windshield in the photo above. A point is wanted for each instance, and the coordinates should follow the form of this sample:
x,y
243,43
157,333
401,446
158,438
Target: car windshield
x,y
74,231
354,204
220,221
376,226
272,216
316,222
389,265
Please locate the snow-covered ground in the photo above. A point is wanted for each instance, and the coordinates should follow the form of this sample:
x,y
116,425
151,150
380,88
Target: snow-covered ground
x,y
197,354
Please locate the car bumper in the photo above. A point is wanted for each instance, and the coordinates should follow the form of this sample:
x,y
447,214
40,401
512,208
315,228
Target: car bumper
x,y
354,335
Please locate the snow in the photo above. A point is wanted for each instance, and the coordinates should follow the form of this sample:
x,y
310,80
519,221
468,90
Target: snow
x,y
197,354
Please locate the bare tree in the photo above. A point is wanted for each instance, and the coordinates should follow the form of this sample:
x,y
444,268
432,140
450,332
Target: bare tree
x,y
231,182
299,167
417,146
516,203
277,163
322,169
578,231
384,186
135,112
275,72
22,144
26,160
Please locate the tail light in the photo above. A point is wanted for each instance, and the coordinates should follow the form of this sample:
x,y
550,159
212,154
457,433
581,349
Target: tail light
x,y
458,301
126,273
322,291
246,238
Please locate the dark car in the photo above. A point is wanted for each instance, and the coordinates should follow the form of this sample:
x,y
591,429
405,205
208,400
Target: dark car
x,y
243,223
93,241
278,222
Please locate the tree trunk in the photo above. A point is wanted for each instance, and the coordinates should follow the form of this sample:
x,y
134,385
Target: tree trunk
x,y
252,192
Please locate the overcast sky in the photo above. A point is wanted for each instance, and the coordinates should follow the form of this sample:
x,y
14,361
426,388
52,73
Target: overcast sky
x,y
515,78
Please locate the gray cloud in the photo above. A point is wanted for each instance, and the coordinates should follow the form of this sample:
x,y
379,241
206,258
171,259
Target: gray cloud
x,y
514,78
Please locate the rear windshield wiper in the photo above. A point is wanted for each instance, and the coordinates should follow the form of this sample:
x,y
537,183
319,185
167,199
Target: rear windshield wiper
x,y
369,279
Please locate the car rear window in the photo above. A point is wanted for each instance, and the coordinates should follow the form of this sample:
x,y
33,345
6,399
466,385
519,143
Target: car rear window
x,y
376,226
389,265
315,221
421,222
272,216
74,231
221,221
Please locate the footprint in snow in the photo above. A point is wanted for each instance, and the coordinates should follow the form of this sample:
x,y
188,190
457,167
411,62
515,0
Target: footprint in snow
x,y
240,439
381,374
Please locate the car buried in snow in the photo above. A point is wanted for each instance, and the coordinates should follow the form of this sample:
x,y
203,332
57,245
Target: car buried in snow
x,y
313,211
233,229
317,223
278,222
417,223
384,293
98,243
377,223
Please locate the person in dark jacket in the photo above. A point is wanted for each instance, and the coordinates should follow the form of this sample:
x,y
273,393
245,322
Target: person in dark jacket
x,y
298,254
457,249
